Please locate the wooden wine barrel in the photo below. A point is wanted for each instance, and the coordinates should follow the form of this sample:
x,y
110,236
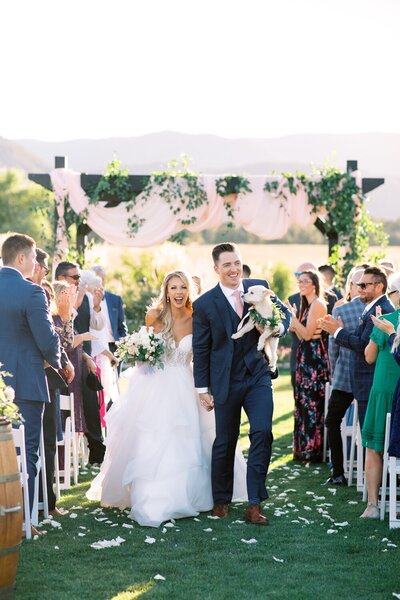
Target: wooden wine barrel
x,y
10,511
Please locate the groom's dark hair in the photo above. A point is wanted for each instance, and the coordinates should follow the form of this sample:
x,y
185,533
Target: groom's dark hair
x,y
225,247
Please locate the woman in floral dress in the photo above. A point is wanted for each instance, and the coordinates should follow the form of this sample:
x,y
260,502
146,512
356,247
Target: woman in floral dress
x,y
312,371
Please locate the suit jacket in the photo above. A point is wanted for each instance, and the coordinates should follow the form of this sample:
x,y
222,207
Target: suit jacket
x,y
360,371
116,315
212,343
339,356
27,336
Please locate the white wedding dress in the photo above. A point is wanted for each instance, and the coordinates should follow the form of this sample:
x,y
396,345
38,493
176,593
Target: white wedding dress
x,y
159,441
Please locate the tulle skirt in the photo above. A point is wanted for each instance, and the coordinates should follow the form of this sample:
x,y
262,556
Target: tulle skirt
x,y
159,442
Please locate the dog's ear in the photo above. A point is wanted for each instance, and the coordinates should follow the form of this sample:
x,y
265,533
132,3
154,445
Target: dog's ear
x,y
268,292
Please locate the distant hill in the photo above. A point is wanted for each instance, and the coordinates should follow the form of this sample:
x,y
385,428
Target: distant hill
x,y
14,155
377,154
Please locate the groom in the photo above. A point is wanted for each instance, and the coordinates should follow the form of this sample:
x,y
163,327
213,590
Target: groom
x,y
231,374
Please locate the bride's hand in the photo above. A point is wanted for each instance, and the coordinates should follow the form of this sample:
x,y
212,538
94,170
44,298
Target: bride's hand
x,y
207,401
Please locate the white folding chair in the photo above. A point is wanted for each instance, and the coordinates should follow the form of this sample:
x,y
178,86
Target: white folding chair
x,y
41,470
82,449
68,403
19,442
63,476
356,442
328,390
394,471
347,431
385,469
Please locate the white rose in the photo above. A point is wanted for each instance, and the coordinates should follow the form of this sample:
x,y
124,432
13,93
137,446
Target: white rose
x,y
9,393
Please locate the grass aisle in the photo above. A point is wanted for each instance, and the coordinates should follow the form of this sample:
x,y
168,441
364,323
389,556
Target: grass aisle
x,y
315,546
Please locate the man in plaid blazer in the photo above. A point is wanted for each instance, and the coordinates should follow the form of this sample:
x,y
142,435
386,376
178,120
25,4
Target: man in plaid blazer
x,y
372,293
341,395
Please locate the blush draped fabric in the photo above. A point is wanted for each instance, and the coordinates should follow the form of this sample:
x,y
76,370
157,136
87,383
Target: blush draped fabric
x,y
259,212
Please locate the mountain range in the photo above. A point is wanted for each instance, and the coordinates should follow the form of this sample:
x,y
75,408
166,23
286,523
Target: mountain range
x,y
377,154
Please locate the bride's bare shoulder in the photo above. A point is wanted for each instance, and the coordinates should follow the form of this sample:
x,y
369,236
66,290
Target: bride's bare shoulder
x,y
152,319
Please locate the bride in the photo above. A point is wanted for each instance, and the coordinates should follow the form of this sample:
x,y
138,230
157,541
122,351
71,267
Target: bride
x,y
159,441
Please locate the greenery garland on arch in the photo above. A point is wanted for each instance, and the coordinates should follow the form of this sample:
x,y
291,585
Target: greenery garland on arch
x,y
335,193
229,187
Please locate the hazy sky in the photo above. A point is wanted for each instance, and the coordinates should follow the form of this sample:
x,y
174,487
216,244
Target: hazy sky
x,y
249,68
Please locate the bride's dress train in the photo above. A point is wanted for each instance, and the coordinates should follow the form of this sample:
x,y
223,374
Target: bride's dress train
x,y
159,441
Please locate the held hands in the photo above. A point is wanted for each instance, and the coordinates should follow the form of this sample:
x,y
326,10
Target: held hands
x,y
69,372
207,401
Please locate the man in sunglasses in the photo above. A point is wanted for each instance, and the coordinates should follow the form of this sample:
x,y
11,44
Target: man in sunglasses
x,y
372,293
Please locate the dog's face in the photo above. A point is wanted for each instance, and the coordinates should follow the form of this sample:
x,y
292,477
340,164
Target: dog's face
x,y
257,294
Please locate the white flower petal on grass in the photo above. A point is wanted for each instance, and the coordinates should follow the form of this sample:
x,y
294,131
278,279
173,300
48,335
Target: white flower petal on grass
x,y
56,548
306,521
395,595
352,502
331,531
107,543
280,560
73,516
332,491
51,522
344,524
150,540
207,530
212,517
169,524
238,521
81,534
108,522
385,540
114,525
390,545
164,530
159,577
77,507
127,526
99,519
250,541
82,527
197,520
307,508
385,550
295,521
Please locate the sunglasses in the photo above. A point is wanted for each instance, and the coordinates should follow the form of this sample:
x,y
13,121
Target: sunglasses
x,y
76,277
362,286
297,273
46,270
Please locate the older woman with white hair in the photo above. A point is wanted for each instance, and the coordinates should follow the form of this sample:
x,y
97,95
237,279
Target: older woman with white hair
x,y
104,359
386,375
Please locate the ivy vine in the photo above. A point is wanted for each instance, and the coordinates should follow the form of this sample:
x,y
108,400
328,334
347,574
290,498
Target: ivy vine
x,y
336,193
231,185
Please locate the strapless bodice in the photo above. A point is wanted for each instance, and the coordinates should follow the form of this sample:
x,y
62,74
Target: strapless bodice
x,y
178,355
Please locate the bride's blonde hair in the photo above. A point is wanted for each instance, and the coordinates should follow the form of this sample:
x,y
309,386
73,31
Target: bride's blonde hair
x,y
162,304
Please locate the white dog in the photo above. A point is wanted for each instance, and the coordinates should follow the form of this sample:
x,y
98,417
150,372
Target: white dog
x,y
262,312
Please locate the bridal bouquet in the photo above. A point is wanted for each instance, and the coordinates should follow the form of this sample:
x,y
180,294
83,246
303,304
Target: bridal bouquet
x,y
143,346
8,410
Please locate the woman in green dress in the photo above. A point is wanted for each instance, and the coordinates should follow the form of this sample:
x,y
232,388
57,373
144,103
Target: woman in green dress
x,y
387,373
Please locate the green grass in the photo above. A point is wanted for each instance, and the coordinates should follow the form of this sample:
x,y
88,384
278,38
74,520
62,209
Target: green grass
x,y
354,562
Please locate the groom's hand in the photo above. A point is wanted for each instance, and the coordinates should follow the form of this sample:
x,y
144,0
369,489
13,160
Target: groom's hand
x,y
207,401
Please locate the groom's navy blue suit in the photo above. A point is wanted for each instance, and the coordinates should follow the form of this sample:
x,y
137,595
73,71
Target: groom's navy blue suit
x,y
237,376
27,339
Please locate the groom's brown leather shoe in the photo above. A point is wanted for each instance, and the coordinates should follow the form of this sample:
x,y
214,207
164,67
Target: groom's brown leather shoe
x,y
253,514
220,510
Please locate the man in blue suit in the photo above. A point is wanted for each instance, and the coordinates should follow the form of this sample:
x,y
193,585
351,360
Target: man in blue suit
x,y
231,374
27,340
372,293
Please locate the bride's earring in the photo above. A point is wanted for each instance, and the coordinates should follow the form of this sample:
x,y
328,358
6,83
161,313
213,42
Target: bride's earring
x,y
167,298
